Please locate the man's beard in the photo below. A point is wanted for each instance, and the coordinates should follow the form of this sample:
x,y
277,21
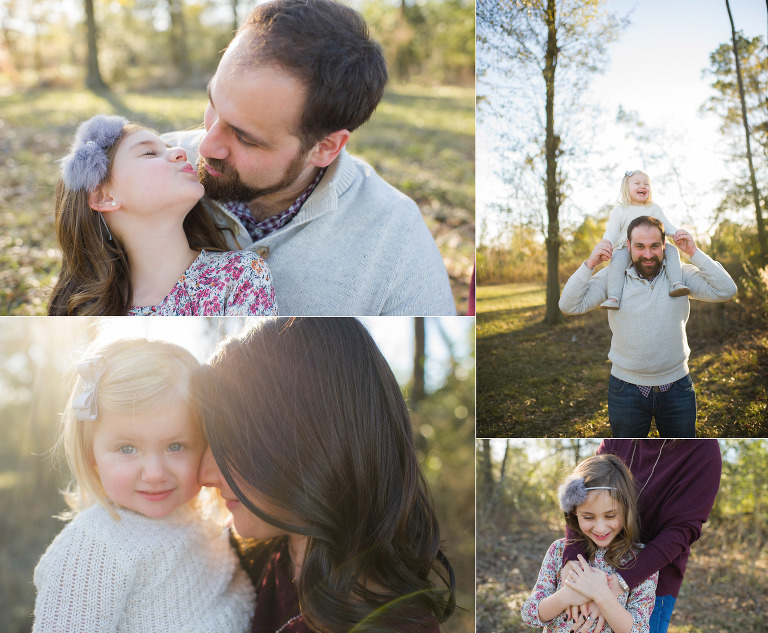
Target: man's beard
x,y
644,271
228,187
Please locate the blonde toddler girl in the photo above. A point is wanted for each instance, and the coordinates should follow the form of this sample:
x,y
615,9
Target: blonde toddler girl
x,y
636,200
141,554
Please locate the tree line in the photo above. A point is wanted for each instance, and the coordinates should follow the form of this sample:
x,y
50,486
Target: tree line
x,y
534,60
150,44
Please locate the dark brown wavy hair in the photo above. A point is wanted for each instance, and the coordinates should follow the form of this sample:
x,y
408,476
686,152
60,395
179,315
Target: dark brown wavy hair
x,y
608,470
95,278
328,48
306,413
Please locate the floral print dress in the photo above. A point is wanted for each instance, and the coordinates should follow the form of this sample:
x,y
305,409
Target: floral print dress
x,y
235,283
638,601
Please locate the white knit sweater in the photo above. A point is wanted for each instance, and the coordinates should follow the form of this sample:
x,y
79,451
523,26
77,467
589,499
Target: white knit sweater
x,y
621,216
141,575
649,344
357,247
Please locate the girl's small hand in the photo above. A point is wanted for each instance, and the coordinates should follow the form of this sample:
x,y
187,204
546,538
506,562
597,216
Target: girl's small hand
x,y
587,619
684,241
601,253
587,581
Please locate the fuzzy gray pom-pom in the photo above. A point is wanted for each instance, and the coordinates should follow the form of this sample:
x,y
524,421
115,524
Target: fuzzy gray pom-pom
x,y
572,493
85,167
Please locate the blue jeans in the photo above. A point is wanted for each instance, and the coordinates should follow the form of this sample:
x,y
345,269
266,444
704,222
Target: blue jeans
x,y
630,412
662,613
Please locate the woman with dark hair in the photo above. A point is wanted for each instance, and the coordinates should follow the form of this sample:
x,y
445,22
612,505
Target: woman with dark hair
x,y
314,455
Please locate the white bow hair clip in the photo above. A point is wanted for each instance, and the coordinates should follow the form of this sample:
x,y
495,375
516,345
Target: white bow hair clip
x,y
84,404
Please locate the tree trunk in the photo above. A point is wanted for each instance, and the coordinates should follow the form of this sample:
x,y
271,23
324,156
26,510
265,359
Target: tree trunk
x,y
486,466
418,361
761,237
93,79
503,470
178,39
235,21
551,143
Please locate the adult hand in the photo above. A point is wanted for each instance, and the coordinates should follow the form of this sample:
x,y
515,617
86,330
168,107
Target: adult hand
x,y
614,586
684,241
601,253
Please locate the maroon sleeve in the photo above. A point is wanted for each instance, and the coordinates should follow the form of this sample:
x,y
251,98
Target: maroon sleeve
x,y
691,501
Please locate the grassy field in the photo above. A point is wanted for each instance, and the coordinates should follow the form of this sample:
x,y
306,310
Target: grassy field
x,y
421,140
534,380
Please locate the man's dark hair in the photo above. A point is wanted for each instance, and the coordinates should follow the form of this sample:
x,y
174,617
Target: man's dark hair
x,y
645,220
326,46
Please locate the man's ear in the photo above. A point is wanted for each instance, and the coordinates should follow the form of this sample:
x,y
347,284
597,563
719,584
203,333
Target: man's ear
x,y
102,200
326,151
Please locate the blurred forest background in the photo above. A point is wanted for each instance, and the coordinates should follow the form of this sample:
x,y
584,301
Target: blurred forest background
x,y
540,374
64,61
36,359
518,517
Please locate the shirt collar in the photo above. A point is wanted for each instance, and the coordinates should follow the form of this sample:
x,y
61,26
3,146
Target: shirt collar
x,y
260,229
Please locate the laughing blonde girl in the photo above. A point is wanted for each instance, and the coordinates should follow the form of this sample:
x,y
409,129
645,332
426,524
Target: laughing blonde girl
x,y
635,200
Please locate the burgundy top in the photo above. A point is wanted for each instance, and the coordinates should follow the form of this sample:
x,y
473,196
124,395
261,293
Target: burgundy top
x,y
277,605
673,502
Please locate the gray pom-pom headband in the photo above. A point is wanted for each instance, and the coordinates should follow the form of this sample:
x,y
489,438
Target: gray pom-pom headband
x,y
85,167
574,492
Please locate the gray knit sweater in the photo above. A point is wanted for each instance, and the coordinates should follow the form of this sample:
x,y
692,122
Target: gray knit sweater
x,y
649,344
358,246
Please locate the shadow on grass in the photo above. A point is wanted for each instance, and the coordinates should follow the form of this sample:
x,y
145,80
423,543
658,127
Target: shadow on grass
x,y
535,380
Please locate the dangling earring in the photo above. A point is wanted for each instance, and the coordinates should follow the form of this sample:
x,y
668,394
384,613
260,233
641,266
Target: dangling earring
x,y
104,222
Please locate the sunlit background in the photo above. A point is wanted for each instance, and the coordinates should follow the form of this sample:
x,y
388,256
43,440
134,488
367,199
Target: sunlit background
x,y
656,70
37,354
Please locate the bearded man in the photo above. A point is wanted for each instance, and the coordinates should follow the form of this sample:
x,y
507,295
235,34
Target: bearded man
x,y
649,349
297,79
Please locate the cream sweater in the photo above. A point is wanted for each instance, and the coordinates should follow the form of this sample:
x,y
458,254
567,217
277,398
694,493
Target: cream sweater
x,y
357,247
141,575
623,214
649,344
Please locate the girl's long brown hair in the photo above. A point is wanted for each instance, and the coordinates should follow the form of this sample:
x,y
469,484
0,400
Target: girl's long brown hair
x,y
95,278
608,470
307,414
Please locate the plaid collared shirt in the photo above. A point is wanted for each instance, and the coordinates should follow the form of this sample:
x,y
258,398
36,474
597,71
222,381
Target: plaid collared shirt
x,y
258,230
646,391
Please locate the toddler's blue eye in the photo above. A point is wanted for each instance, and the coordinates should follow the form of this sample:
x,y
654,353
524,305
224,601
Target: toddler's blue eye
x,y
127,450
175,447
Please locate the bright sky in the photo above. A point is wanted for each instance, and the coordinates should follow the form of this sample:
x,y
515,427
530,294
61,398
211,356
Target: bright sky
x,y
655,70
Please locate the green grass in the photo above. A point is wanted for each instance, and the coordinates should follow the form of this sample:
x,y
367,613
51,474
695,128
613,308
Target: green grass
x,y
534,380
421,140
